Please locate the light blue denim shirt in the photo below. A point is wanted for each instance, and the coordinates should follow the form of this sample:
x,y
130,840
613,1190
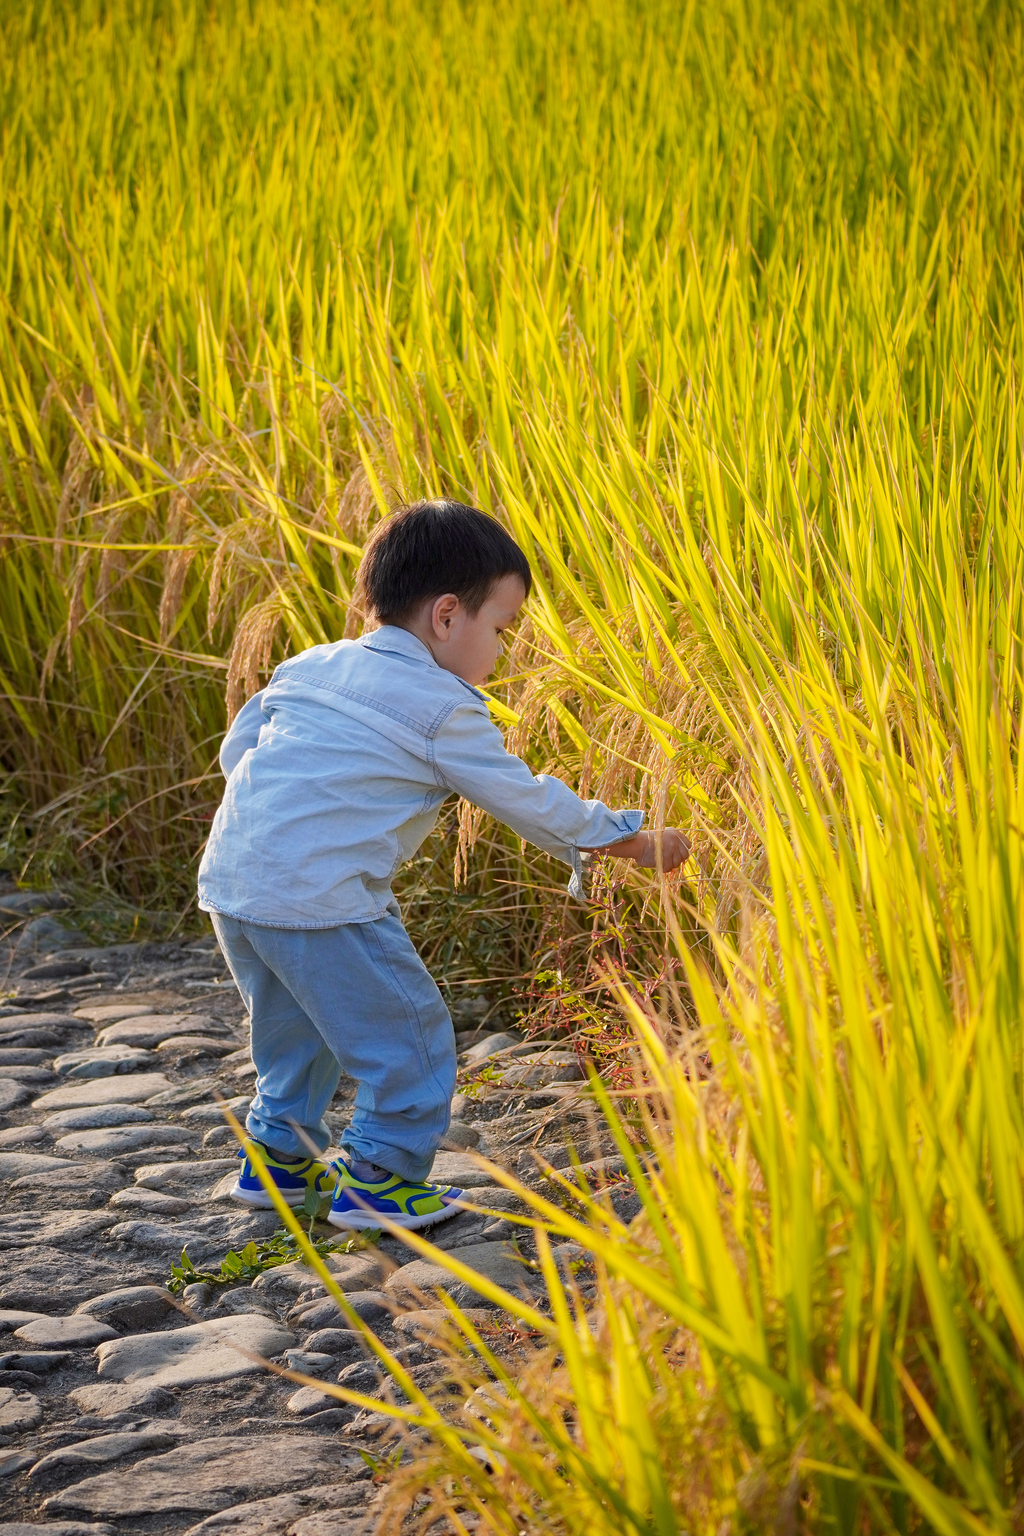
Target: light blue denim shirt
x,y
336,773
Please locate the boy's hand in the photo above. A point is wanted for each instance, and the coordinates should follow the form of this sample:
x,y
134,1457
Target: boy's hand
x,y
641,847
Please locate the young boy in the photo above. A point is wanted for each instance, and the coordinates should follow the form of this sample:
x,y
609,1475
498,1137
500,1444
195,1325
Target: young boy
x,y
335,775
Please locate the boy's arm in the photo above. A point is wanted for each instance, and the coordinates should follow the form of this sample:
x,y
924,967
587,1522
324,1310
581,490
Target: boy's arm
x,y
470,757
243,734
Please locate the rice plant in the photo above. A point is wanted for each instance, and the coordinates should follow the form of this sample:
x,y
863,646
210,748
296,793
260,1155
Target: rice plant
x,y
719,307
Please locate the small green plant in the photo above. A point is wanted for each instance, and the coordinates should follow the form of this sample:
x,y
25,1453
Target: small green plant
x,y
256,1257
472,1083
315,1206
382,1466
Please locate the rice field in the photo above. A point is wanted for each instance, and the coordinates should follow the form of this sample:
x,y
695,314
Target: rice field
x,y
719,308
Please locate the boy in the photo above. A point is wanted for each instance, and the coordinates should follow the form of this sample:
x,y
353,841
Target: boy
x,y
335,774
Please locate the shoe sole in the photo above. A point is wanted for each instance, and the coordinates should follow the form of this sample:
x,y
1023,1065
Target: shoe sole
x,y
263,1202
363,1220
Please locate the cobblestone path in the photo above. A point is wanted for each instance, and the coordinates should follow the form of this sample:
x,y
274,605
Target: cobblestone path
x,y
119,1412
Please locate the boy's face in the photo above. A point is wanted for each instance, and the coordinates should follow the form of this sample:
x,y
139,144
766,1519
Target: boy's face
x,y
469,644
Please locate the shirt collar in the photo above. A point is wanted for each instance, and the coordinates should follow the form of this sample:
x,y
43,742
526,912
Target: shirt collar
x,y
389,637
400,642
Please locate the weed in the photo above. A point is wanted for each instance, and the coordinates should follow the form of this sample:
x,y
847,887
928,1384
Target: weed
x,y
257,1257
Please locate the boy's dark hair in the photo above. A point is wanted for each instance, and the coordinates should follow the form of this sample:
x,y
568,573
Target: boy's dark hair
x,y
434,547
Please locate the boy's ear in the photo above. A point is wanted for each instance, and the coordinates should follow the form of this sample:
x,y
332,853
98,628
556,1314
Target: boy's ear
x,y
442,613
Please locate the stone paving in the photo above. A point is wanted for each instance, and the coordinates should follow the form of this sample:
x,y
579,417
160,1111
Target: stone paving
x,y
123,1412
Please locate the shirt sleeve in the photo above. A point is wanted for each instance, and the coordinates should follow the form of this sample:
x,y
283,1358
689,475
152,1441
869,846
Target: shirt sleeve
x,y
243,734
470,758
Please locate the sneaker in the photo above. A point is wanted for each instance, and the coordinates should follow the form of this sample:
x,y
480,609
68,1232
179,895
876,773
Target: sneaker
x,y
292,1178
362,1202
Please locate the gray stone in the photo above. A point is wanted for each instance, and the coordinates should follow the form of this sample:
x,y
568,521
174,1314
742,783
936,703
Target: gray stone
x,y
149,1155
458,1168
309,1400
130,1307
95,1117
55,970
499,1230
210,1351
497,1261
180,1047
162,1239
207,1476
11,1462
132,1088
242,1299
367,1426
16,1165
62,1023
327,1523
337,1341
58,1528
28,1229
204,1236
556,1154
12,1317
241,1057
351,1272
277,1516
95,1177
168,1176
199,1295
361,1376
22,1136
64,1332
115,1400
119,1139
434,1325
220,1136
21,1056
112,1013
154,1029
223,1192
308,1362
213,1114
13,1093
239,1225
24,1035
39,1363
47,1278
106,1448
102,1061
493,1197
148,1201
373,1307
489,1046
28,1076
18,1411
459,1137
185,1093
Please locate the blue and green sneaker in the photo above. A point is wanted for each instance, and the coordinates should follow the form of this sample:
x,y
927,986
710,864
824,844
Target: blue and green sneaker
x,y
292,1177
363,1202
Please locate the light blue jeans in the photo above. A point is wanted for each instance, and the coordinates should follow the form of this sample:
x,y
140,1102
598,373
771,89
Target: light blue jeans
x,y
358,999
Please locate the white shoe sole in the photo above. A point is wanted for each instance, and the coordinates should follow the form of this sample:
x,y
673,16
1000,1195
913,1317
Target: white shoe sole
x,y
362,1220
262,1201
